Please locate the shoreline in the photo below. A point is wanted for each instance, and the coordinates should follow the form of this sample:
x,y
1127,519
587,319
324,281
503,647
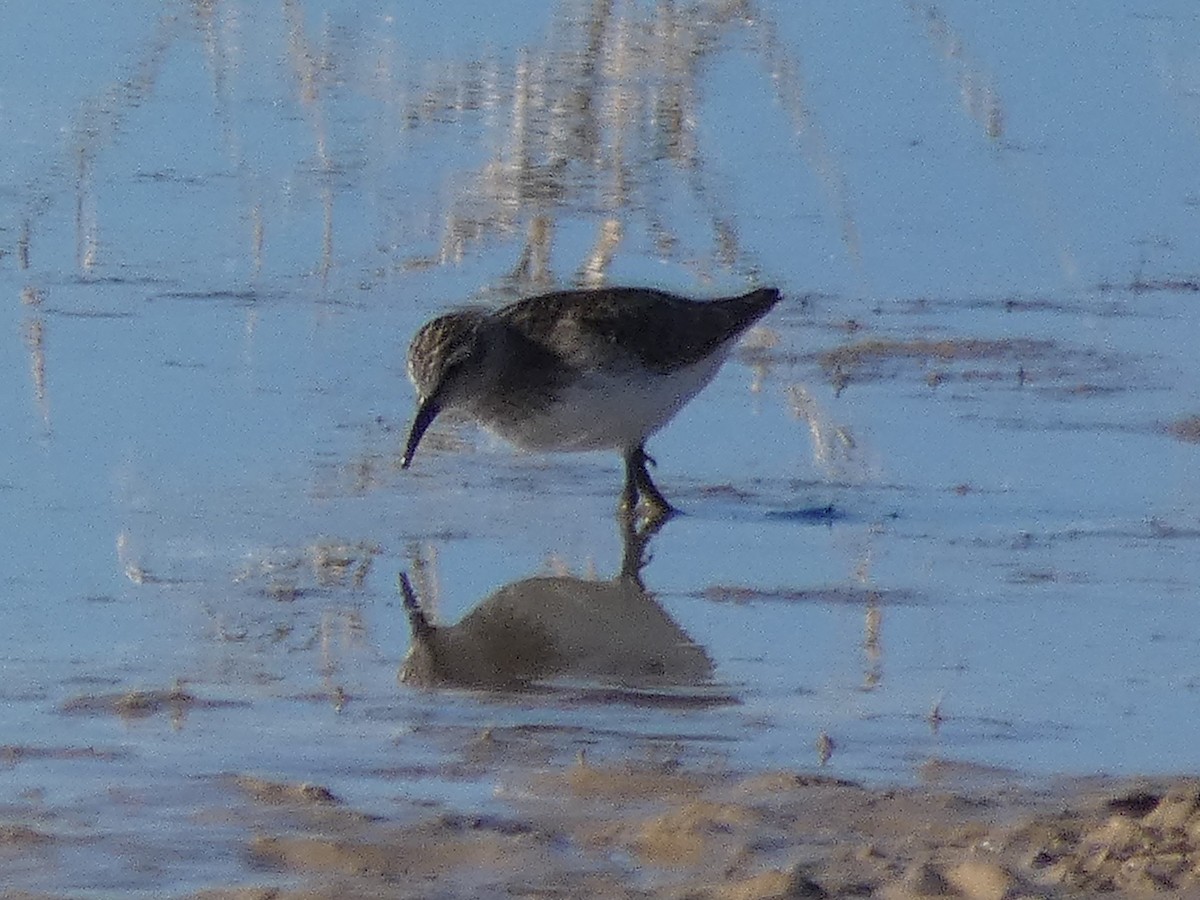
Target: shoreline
x,y
673,832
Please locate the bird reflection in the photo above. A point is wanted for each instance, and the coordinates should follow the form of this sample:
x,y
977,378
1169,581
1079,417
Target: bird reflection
x,y
558,627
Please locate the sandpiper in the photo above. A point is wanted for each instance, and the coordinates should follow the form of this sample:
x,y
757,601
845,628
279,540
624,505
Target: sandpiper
x,y
599,369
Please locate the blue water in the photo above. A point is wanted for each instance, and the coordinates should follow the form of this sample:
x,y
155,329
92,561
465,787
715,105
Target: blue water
x,y
220,225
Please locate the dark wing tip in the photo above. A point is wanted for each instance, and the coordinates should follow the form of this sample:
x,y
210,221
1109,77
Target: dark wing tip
x,y
753,306
767,296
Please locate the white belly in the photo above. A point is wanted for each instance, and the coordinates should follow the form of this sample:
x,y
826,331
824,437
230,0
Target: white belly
x,y
604,411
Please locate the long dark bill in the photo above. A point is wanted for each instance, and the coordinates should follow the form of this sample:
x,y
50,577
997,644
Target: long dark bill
x,y
426,413
416,615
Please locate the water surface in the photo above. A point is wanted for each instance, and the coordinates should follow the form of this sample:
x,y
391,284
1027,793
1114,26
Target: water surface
x,y
956,470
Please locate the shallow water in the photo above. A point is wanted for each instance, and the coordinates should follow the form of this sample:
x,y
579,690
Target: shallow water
x,y
955,470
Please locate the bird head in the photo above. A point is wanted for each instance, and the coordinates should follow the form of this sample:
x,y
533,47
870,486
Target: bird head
x,y
442,359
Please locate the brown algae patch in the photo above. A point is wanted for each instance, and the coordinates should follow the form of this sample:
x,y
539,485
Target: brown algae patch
x,y
837,594
15,838
865,357
1071,373
11,754
142,704
1185,429
283,793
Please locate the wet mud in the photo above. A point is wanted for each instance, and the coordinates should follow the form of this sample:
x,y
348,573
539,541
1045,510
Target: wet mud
x,y
630,831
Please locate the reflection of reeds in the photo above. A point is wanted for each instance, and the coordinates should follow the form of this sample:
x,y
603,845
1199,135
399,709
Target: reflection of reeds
x,y
791,92
600,120
981,101
35,342
975,90
100,125
311,69
1177,61
833,445
872,645
23,246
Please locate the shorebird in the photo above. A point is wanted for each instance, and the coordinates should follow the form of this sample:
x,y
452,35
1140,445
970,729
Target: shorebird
x,y
599,369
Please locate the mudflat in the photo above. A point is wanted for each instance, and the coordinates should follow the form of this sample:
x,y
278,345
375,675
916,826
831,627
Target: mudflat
x,y
664,831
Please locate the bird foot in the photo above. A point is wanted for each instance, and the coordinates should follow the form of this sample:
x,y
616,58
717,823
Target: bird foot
x,y
649,510
641,492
